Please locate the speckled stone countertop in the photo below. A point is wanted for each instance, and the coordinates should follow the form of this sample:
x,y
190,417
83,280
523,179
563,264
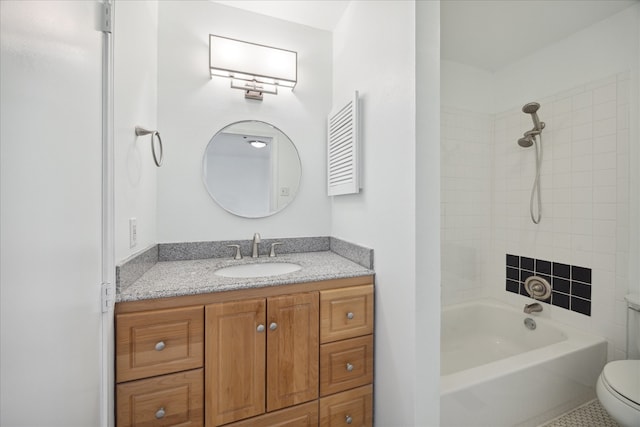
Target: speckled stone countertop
x,y
179,278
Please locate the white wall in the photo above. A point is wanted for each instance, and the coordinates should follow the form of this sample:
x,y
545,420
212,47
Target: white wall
x,y
135,38
193,107
597,52
381,66
51,207
467,88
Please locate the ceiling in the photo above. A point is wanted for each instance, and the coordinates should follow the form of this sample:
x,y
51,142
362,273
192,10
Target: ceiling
x,y
487,34
490,34
322,14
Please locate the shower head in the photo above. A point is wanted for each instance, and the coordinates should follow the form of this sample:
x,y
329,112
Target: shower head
x,y
531,108
526,142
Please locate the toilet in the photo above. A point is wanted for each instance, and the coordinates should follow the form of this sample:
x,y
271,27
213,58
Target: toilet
x,y
618,386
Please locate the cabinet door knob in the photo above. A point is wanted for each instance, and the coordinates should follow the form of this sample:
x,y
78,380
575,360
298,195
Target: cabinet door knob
x,y
160,413
273,326
160,345
350,315
349,367
348,419
260,328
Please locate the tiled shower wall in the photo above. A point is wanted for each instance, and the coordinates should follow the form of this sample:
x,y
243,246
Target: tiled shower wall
x,y
585,199
466,151
585,195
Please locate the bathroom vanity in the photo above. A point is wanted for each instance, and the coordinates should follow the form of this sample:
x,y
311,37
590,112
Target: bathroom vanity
x,y
200,349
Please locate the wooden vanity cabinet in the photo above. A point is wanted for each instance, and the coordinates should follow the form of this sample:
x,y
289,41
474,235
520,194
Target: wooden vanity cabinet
x,y
293,355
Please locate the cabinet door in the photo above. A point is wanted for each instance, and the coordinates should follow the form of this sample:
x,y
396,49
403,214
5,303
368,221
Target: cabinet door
x,y
235,361
293,348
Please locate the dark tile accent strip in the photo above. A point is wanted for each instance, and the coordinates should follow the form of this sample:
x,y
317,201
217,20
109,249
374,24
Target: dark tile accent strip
x,y
513,273
580,305
570,284
561,285
527,263
358,254
581,274
560,300
581,290
543,267
130,269
513,286
561,270
513,261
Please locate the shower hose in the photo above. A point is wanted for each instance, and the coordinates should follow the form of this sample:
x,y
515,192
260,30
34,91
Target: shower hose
x,y
535,190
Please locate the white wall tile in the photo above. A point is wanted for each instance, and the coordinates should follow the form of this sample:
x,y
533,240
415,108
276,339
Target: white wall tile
x,y
606,110
582,100
605,93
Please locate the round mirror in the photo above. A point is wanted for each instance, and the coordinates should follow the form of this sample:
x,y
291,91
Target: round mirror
x,y
251,169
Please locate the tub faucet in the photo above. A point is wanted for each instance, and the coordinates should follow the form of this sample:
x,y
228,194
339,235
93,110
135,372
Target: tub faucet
x,y
536,307
256,240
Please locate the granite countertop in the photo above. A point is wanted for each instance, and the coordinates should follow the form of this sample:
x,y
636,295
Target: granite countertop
x,y
179,278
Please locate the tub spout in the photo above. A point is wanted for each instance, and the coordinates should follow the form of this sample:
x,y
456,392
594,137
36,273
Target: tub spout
x,y
532,308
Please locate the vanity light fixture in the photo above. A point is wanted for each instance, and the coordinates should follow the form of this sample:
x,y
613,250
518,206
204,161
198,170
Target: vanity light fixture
x,y
252,67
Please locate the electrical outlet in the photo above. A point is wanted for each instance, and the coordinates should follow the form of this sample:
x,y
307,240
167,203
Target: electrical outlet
x,y
133,232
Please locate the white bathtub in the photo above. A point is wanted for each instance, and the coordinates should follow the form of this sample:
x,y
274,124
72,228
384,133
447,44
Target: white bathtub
x,y
496,372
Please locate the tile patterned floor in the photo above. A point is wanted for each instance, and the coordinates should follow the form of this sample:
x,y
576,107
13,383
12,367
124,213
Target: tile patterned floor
x,y
591,414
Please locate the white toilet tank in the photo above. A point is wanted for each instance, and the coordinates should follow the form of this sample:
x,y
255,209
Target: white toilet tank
x,y
633,322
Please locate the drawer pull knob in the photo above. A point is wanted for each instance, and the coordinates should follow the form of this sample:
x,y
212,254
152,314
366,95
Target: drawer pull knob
x,y
273,326
160,413
348,419
260,328
160,346
349,367
350,315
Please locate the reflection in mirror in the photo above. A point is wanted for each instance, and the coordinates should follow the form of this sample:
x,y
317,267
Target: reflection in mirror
x,y
251,169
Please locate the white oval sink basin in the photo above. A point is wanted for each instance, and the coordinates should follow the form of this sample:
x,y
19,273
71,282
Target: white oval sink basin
x,y
258,269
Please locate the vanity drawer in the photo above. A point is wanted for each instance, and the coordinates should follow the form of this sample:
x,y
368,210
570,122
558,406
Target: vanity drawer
x,y
353,407
346,364
159,342
346,313
305,415
168,400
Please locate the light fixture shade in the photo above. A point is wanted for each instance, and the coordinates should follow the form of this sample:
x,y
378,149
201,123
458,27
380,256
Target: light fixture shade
x,y
252,62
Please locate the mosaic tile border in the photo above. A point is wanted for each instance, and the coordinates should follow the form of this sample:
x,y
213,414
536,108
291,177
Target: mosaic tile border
x,y
570,284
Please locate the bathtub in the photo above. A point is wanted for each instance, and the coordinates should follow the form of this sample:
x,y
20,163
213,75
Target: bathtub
x,y
496,372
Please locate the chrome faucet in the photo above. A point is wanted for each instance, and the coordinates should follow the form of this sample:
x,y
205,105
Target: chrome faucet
x,y
256,240
535,307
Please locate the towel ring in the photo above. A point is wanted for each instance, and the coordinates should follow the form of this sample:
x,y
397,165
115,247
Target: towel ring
x,y
157,159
